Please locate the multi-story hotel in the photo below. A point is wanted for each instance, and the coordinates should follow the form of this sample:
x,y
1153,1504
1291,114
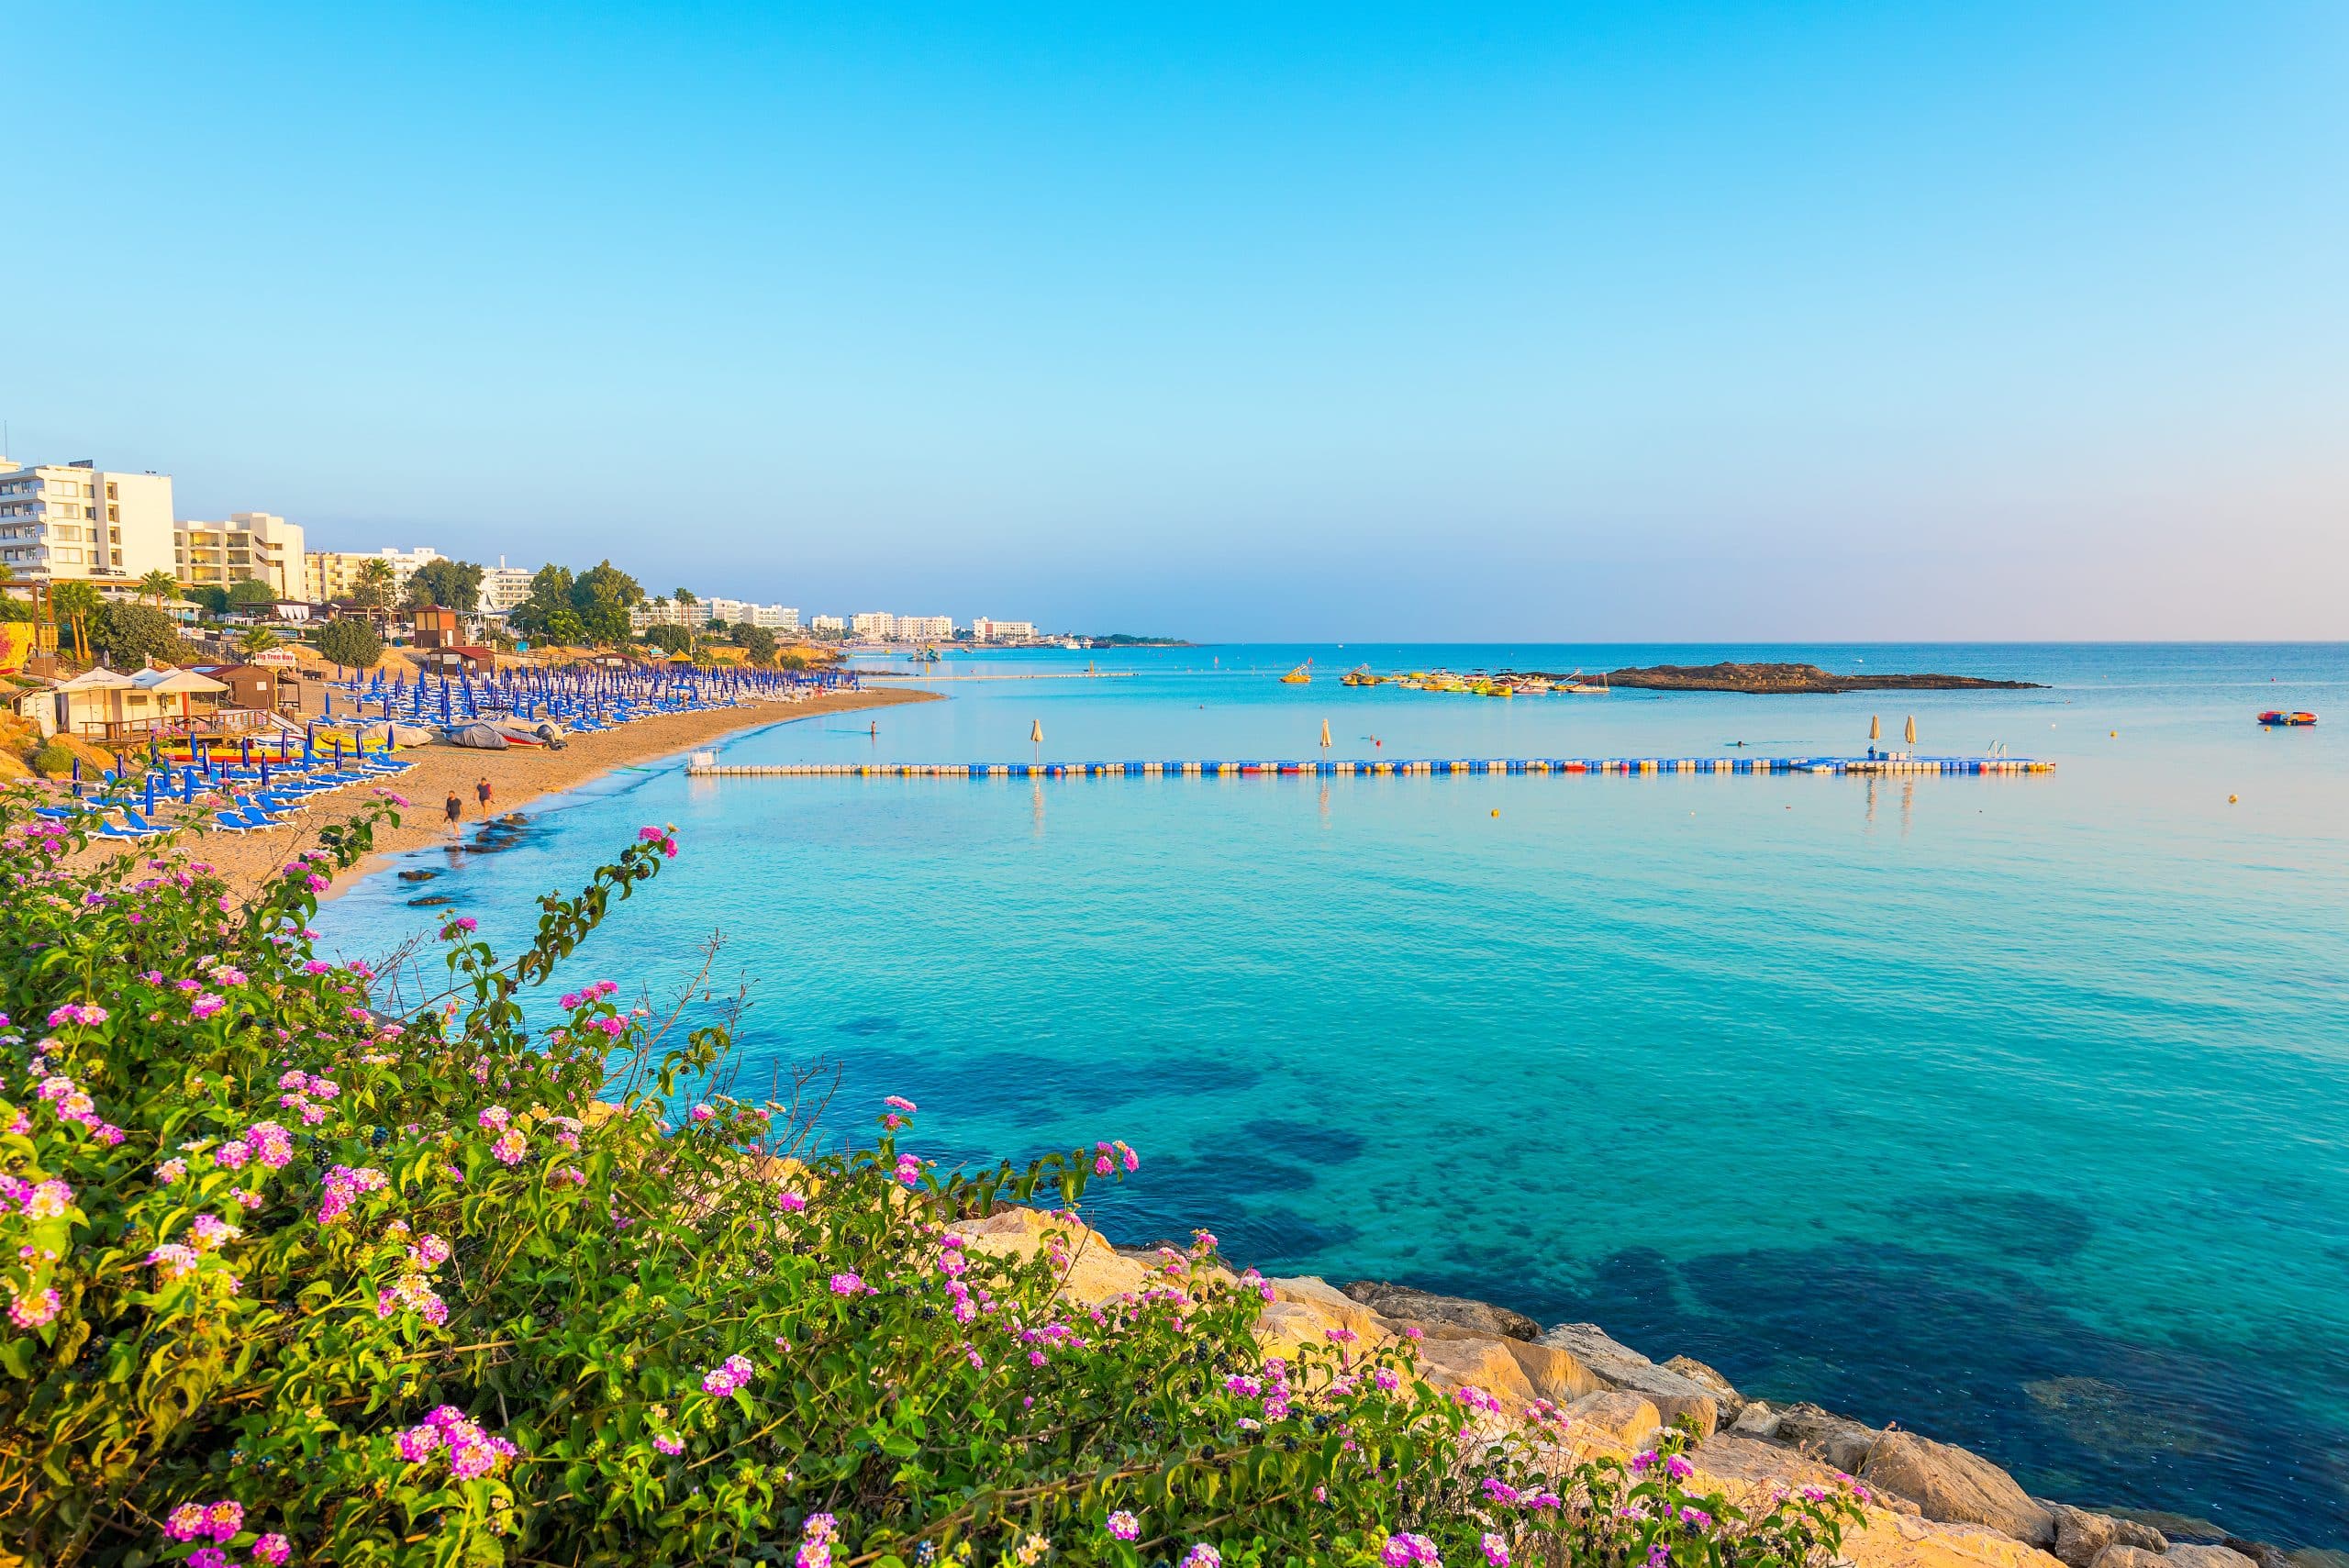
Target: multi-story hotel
x,y
334,574
986,631
502,587
742,612
883,627
255,546
76,522
828,626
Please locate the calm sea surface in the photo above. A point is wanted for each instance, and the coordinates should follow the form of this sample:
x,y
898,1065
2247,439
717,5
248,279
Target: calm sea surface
x,y
2015,1110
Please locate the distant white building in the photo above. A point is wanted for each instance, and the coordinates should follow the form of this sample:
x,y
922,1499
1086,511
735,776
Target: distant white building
x,y
883,627
75,521
828,626
986,631
502,587
742,612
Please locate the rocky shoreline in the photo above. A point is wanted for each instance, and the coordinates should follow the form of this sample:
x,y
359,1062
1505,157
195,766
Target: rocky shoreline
x,y
1931,1505
1771,680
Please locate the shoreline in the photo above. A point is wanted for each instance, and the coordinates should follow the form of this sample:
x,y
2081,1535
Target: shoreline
x,y
518,777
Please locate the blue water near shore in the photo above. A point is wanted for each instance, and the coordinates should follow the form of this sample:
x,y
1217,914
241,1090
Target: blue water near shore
x,y
2014,1110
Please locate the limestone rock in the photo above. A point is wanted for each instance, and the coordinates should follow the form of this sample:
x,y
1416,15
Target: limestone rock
x,y
1953,1485
1732,1403
2194,1556
1619,1366
2129,1557
1554,1374
2135,1532
1402,1302
1094,1272
1901,1540
1756,1421
2262,1552
1839,1440
2080,1535
1341,1309
1454,1361
1620,1415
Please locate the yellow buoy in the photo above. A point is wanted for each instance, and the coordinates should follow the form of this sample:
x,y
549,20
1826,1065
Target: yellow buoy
x,y
2231,799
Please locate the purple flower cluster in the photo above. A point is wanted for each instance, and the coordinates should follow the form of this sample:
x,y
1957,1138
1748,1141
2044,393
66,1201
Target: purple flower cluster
x,y
727,1376
471,1451
71,1105
343,1185
1402,1550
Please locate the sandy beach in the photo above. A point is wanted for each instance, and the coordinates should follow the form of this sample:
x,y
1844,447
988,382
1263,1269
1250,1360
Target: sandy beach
x,y
517,777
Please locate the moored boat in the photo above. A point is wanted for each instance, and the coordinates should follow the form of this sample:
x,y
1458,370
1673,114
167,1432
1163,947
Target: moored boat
x,y
2277,716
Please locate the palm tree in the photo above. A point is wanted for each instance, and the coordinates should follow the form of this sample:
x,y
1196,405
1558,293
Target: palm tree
x,y
158,585
73,604
260,640
375,583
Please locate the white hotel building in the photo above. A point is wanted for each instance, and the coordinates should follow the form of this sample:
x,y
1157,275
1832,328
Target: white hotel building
x,y
986,631
75,521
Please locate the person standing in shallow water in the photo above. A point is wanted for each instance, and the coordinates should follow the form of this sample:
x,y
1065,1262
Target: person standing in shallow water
x,y
455,810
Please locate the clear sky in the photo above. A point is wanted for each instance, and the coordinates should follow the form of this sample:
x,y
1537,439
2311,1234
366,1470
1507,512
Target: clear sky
x,y
1749,320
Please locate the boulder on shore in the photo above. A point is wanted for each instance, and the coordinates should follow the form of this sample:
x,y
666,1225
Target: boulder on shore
x,y
1756,1421
1618,1365
2194,1556
2081,1535
2129,1557
1839,1440
1620,1416
1732,1403
1954,1487
1400,1301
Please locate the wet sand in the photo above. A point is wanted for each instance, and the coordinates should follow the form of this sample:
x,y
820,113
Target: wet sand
x,y
517,777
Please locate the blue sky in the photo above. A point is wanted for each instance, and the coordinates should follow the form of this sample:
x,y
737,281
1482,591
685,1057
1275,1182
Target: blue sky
x,y
1643,320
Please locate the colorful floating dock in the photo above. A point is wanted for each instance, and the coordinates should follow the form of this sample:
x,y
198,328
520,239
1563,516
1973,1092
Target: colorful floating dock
x,y
704,764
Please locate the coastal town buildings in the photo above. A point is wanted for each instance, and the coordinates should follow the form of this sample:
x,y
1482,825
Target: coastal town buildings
x,y
503,586
828,626
983,629
246,547
740,612
882,627
334,574
75,521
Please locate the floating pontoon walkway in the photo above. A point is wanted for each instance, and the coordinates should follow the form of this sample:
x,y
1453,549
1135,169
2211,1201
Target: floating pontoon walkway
x,y
705,766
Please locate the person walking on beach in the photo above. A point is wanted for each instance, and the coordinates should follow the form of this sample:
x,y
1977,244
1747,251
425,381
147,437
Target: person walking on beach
x,y
455,810
481,793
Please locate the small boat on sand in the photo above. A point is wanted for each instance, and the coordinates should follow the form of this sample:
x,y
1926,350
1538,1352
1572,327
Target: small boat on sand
x,y
2276,716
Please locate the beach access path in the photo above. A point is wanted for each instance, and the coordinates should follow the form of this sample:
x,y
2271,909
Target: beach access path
x,y
517,777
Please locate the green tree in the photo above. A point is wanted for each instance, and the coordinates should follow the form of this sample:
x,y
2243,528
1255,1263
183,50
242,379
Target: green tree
x,y
550,595
210,597
758,641
668,639
260,640
350,640
127,635
450,584
374,585
602,596
250,593
158,585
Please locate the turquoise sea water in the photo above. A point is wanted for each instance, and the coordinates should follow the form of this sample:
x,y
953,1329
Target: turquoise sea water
x,y
2015,1110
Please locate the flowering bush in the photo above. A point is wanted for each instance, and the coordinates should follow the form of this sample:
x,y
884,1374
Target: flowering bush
x,y
289,1278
